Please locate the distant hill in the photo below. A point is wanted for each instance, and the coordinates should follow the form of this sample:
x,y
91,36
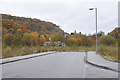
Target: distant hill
x,y
37,25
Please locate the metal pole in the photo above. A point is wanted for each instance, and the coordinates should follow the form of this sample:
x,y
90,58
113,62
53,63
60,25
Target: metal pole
x,y
96,28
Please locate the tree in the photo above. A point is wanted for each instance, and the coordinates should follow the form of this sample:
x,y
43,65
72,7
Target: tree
x,y
8,39
85,41
107,40
17,39
91,41
42,40
47,37
57,37
4,30
34,38
99,34
72,41
26,39
75,40
115,33
79,41
8,23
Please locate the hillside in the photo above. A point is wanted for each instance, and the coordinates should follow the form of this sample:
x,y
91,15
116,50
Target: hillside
x,y
29,24
115,33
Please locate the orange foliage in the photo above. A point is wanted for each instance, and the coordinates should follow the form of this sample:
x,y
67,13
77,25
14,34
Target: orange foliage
x,y
42,40
115,32
91,41
47,37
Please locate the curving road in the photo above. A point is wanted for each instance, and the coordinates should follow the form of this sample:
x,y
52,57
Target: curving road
x,y
57,65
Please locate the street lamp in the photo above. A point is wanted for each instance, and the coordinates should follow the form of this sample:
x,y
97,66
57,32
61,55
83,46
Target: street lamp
x,y
96,24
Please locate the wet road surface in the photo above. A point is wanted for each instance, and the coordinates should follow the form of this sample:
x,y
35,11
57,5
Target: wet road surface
x,y
57,65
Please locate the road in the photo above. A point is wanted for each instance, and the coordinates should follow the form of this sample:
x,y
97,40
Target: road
x,y
57,65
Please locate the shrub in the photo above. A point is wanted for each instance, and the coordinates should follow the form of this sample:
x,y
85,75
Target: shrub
x,y
107,40
42,40
57,37
72,41
91,41
26,39
8,39
34,38
17,39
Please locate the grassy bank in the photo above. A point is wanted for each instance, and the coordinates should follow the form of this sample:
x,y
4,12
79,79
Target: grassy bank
x,y
108,52
23,50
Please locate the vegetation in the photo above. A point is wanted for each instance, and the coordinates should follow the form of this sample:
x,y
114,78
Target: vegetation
x,y
107,40
28,24
22,36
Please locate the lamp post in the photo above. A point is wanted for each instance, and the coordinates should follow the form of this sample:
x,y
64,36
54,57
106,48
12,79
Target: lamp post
x,y
96,24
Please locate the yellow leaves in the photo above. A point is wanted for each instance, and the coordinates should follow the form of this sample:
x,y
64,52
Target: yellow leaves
x,y
42,40
57,37
30,38
34,37
74,41
26,38
19,31
42,36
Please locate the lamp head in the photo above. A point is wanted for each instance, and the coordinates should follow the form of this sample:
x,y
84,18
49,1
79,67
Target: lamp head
x,y
91,9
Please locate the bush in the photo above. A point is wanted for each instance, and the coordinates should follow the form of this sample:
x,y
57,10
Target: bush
x,y
17,39
72,41
107,40
57,37
42,40
90,41
26,39
8,39
34,38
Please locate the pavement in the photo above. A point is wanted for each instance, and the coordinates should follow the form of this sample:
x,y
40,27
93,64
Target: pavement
x,y
94,58
58,65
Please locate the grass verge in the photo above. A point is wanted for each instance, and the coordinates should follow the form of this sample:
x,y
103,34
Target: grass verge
x,y
108,52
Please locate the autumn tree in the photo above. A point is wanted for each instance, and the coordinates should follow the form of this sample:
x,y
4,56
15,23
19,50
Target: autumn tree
x,y
115,33
8,39
34,38
91,41
4,30
8,23
75,39
17,39
26,39
47,37
42,40
57,37
72,41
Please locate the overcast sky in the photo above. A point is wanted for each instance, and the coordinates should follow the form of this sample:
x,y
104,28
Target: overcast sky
x,y
70,15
